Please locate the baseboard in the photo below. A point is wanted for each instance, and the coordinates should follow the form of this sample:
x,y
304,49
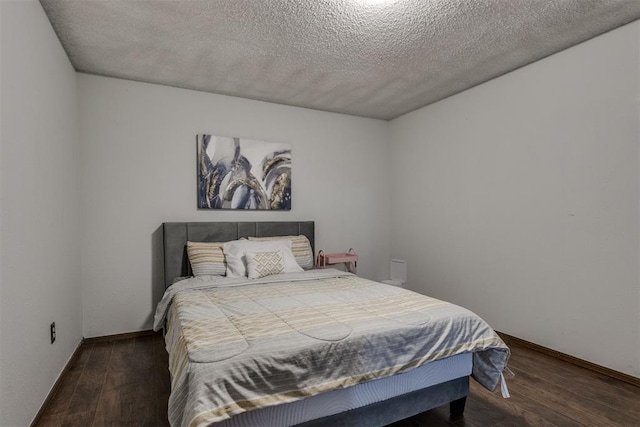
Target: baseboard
x,y
117,337
57,384
573,360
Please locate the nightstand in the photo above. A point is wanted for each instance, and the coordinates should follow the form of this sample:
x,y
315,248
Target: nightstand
x,y
349,259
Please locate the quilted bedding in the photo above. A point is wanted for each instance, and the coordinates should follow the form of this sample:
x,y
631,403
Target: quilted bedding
x,y
237,344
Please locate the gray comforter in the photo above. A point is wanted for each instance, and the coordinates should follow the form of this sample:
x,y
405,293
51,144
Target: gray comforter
x,y
238,344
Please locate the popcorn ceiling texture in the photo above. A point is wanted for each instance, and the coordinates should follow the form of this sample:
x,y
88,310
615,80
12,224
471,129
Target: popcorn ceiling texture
x,y
372,59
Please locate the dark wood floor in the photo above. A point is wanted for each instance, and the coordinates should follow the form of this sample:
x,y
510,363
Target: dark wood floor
x,y
126,383
113,383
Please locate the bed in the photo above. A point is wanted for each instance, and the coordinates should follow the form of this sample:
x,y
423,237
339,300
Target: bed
x,y
242,351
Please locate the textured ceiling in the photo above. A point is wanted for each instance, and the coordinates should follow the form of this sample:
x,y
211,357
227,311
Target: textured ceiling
x,y
371,58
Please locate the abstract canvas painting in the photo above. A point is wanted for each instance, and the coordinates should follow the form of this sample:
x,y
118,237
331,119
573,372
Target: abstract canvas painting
x,y
239,173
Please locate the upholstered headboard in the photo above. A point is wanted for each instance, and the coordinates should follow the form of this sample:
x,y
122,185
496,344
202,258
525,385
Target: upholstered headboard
x,y
176,235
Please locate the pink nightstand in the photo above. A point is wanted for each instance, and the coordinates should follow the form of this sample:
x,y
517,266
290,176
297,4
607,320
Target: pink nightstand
x,y
349,258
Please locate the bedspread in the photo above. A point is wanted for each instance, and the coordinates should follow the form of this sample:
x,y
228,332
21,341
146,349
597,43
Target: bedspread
x,y
237,344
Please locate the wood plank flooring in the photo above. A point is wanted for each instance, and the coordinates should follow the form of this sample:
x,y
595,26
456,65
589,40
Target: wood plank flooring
x,y
126,383
113,383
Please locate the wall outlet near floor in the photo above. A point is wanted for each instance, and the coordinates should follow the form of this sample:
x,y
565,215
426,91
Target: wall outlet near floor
x,y
53,332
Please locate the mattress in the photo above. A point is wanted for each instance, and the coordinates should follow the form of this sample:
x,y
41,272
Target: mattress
x,y
341,400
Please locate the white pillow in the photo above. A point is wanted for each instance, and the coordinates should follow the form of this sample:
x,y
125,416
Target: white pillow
x,y
235,254
300,246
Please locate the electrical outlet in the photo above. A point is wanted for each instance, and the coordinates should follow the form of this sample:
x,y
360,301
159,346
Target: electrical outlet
x,y
53,332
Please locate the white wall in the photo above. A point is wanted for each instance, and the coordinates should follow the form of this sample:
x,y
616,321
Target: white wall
x,y
520,200
39,211
139,169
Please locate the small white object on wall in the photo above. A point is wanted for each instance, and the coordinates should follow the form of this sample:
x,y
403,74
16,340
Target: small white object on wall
x,y
398,273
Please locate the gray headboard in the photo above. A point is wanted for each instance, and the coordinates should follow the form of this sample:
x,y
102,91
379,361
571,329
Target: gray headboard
x,y
176,235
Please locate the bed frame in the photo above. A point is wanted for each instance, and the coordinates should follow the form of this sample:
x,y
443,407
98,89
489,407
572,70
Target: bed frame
x,y
176,264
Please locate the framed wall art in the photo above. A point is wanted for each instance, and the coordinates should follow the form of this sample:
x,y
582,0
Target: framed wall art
x,y
239,173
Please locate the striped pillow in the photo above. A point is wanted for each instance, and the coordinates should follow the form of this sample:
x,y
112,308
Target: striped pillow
x,y
300,246
206,258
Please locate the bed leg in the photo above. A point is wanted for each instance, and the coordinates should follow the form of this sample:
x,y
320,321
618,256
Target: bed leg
x,y
456,408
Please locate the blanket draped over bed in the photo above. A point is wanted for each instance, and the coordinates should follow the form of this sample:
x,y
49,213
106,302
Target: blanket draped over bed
x,y
238,344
